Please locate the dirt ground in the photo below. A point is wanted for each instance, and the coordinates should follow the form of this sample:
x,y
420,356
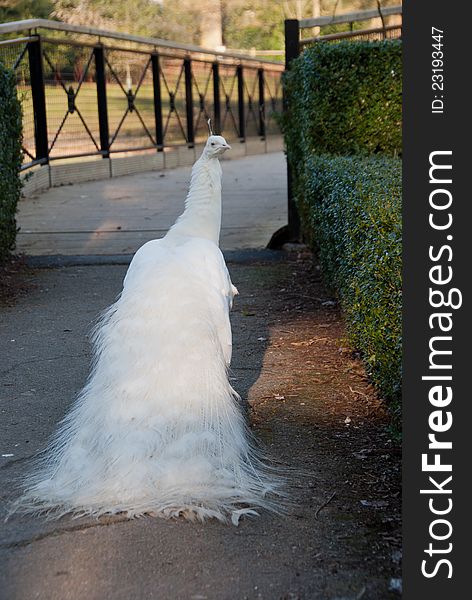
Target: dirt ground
x,y
315,407
309,402
13,279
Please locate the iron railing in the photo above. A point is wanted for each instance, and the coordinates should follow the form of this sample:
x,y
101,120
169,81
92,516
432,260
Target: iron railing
x,y
360,26
88,92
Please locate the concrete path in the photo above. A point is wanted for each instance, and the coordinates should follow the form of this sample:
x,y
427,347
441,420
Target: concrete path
x,y
116,216
311,406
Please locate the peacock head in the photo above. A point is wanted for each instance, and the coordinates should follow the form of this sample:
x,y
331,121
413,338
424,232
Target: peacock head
x,y
216,146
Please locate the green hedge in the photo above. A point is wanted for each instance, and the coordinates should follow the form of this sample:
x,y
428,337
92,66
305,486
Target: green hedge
x,y
10,160
342,131
345,98
353,208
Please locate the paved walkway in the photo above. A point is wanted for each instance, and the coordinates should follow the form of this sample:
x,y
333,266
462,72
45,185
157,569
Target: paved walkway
x,y
116,216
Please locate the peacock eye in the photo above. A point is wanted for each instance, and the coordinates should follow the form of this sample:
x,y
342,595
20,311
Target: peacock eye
x,y
213,143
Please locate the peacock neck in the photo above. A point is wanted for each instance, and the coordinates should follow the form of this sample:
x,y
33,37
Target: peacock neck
x,y
202,214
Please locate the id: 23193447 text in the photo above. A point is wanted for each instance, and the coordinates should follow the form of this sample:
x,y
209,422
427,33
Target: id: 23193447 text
x,y
437,70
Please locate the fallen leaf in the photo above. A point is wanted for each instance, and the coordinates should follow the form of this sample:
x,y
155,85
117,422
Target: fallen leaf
x,y
303,343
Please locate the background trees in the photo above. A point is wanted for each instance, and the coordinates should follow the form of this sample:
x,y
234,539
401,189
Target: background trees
x,y
237,24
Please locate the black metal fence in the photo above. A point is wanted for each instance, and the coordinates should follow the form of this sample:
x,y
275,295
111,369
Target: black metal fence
x,y
87,92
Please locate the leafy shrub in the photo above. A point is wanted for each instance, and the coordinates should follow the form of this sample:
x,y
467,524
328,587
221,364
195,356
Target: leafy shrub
x,y
10,160
345,98
353,205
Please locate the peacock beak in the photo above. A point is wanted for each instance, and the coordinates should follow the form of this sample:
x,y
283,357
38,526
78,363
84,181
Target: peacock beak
x,y
227,147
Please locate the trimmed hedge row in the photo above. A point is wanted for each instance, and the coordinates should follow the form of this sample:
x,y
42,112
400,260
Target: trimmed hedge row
x,y
342,130
10,160
345,98
353,208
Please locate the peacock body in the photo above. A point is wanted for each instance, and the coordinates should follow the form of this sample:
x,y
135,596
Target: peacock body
x,y
158,429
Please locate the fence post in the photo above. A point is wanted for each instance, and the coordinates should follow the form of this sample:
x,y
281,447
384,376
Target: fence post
x,y
156,84
102,100
292,50
39,100
262,125
216,97
241,117
189,101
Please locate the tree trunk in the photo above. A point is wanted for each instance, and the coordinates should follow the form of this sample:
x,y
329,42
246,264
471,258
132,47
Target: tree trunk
x,y
211,29
316,12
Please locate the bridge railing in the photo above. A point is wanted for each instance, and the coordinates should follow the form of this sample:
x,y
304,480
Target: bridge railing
x,y
87,92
